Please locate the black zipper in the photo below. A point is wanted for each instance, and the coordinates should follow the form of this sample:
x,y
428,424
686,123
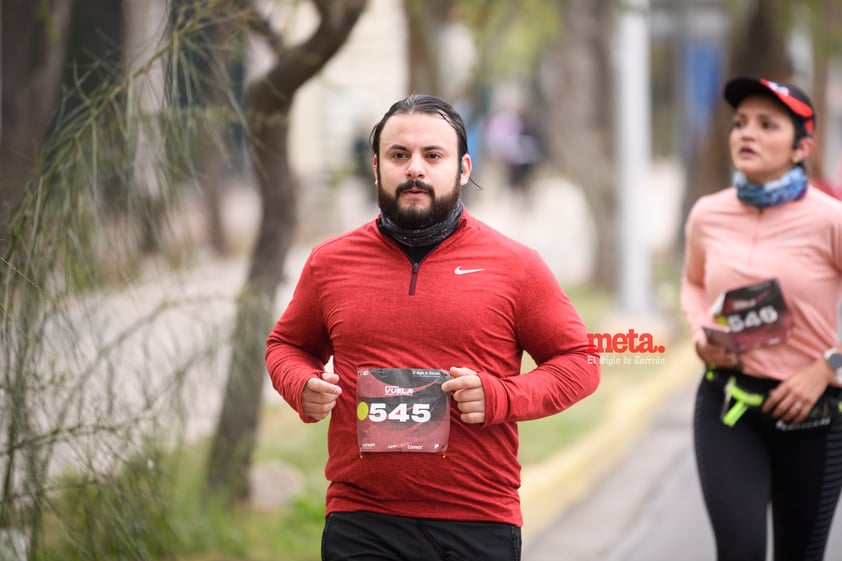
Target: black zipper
x,y
414,277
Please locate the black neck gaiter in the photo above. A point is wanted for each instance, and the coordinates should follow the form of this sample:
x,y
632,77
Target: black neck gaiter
x,y
428,236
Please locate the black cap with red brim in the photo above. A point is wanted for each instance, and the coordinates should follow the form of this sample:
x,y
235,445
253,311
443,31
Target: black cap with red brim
x,y
796,101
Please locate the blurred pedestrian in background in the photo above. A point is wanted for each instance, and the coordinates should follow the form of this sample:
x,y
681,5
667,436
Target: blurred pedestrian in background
x,y
517,145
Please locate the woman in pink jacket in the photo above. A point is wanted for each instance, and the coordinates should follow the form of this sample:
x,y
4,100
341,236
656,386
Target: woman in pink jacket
x,y
761,287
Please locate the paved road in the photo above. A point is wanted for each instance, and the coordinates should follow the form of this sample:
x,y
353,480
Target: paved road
x,y
649,508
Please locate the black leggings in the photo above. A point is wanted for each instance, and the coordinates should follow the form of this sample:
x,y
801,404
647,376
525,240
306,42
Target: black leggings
x,y
748,467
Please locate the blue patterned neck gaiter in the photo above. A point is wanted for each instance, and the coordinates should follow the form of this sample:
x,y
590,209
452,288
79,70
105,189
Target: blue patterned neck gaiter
x,y
788,187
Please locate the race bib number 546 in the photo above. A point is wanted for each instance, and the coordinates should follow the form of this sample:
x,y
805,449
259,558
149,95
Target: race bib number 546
x,y
402,410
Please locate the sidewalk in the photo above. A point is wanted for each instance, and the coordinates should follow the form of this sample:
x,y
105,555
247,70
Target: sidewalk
x,y
647,507
550,489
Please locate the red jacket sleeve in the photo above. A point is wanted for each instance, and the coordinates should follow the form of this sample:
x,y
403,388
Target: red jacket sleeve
x,y
298,348
552,332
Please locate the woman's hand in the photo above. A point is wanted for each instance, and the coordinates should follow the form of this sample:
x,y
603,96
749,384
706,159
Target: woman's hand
x,y
793,398
716,355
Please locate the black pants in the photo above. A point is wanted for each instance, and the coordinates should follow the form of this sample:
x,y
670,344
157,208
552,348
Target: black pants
x,y
366,536
746,468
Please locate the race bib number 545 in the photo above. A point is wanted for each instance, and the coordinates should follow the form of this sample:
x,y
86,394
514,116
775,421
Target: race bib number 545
x,y
402,410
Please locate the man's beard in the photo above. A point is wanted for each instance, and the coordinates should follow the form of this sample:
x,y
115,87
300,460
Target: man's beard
x,y
414,217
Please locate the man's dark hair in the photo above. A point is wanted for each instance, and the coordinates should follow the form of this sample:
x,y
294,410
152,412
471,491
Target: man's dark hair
x,y
430,105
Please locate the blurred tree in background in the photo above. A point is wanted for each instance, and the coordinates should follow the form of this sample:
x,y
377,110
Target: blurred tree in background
x,y
95,174
89,392
30,87
579,101
269,99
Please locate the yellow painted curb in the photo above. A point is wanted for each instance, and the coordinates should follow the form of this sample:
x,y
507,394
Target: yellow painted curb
x,y
551,487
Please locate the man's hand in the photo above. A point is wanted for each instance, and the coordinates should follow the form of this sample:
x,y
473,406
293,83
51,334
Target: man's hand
x,y
467,390
320,395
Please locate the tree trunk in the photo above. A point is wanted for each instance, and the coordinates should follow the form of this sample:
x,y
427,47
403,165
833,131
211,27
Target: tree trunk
x,y
33,51
213,147
423,21
269,100
582,125
828,20
758,48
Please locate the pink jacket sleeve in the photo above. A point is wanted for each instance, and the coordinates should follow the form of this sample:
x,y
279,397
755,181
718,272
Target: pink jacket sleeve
x,y
694,301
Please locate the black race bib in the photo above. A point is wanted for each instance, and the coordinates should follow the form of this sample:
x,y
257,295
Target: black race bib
x,y
402,410
750,317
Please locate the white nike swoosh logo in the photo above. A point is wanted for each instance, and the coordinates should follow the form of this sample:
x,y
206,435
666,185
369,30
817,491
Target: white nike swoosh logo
x,y
460,271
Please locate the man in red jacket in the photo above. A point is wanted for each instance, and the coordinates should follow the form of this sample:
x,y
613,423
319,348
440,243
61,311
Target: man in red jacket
x,y
426,313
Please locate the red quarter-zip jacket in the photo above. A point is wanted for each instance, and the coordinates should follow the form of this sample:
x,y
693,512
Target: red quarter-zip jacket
x,y
479,300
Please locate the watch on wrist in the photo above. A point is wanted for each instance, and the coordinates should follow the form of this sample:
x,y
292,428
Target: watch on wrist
x,y
834,360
